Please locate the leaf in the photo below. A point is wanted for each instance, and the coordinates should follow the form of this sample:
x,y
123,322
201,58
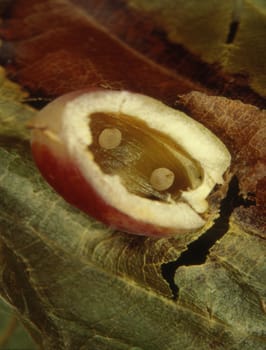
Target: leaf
x,y
52,60
229,33
13,115
242,127
75,283
227,287
42,51
60,276
12,335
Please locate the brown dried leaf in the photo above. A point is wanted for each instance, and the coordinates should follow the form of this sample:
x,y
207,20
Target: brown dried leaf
x,y
61,49
243,129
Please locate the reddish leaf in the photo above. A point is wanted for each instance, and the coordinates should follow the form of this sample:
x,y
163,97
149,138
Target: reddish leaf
x,y
61,49
54,26
243,128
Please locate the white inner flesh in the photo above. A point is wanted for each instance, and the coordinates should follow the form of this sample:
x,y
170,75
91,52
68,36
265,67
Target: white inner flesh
x,y
198,142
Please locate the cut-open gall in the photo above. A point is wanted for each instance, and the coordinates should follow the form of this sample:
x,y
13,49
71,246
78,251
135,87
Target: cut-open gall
x,y
129,160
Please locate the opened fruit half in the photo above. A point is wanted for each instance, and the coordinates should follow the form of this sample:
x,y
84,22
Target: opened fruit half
x,y
129,160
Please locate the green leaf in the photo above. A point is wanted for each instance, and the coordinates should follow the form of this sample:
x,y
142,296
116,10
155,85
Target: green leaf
x,y
80,286
12,334
204,28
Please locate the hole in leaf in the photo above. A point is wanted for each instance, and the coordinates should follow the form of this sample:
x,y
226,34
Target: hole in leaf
x,y
197,251
232,32
234,25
